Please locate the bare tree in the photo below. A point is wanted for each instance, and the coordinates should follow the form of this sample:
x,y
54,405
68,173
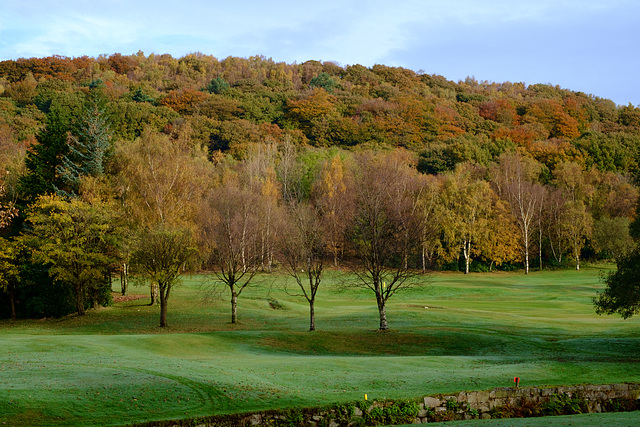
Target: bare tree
x,y
579,226
229,223
428,200
554,217
514,178
303,249
384,232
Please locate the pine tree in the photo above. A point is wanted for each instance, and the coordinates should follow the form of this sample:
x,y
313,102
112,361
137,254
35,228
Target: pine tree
x,y
87,148
44,157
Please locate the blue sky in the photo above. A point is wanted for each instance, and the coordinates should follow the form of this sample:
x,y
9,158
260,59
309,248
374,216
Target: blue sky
x,y
587,45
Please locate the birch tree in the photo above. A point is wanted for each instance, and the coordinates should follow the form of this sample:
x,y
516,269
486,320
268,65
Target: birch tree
x,y
230,225
466,203
383,234
333,195
515,179
303,249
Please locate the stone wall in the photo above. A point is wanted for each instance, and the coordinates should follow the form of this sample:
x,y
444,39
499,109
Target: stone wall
x,y
595,396
463,405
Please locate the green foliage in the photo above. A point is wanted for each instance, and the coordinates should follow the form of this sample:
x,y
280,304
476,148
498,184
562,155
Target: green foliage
x,y
391,413
162,254
218,86
438,158
88,148
139,95
452,405
45,157
77,241
324,81
40,296
622,292
565,404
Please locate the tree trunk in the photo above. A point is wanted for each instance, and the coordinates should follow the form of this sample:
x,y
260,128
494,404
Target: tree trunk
x,y
124,278
163,308
526,251
424,260
577,261
382,309
234,306
466,250
312,316
79,301
540,246
154,294
12,298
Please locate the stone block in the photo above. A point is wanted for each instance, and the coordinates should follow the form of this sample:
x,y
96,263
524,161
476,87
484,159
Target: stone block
x,y
483,396
431,402
495,403
601,395
485,416
357,412
548,392
255,419
501,394
417,421
422,413
620,389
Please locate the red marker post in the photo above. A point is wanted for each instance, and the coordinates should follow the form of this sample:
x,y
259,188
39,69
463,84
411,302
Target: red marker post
x,y
517,381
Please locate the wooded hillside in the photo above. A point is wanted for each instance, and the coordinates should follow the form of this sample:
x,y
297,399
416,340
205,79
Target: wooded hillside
x,y
465,175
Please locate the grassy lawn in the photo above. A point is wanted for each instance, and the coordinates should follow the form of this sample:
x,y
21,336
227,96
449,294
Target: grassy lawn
x,y
115,366
620,419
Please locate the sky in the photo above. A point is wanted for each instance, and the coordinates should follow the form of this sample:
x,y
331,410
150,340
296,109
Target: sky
x,y
590,46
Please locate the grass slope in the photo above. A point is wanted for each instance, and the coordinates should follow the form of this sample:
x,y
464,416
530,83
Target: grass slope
x,y
114,366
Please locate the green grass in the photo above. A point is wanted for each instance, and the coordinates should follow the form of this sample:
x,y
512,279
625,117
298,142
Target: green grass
x,y
115,366
619,419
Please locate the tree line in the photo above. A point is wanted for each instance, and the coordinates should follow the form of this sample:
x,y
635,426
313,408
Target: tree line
x,y
151,166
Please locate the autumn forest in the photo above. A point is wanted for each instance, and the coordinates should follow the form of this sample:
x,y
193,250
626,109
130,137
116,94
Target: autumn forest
x,y
148,166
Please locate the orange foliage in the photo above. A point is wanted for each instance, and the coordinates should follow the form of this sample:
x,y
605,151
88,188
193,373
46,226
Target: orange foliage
x,y
550,113
317,104
522,135
554,151
185,101
499,110
448,120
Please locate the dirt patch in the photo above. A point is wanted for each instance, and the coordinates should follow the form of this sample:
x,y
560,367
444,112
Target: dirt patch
x,y
125,298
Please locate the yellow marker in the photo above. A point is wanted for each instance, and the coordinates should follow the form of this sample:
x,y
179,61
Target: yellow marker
x,y
365,396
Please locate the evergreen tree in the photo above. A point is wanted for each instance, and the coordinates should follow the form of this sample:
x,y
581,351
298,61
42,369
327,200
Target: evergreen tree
x,y
46,156
87,148
622,292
